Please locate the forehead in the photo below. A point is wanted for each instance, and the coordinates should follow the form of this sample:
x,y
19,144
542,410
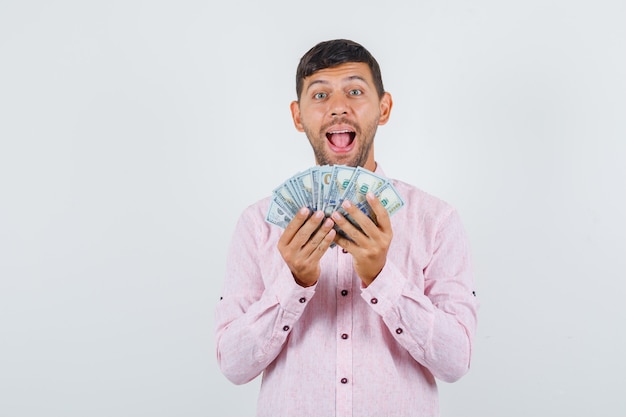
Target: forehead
x,y
347,72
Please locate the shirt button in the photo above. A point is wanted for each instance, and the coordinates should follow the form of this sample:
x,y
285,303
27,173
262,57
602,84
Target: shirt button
x,y
344,336
374,301
286,328
399,330
344,250
344,380
302,300
344,292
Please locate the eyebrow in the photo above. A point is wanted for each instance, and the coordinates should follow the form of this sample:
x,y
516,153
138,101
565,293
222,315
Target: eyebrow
x,y
350,78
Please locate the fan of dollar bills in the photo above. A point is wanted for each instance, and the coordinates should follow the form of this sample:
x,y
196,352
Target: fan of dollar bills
x,y
326,187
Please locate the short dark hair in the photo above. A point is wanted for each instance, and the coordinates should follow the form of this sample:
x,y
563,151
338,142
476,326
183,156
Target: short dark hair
x,y
332,53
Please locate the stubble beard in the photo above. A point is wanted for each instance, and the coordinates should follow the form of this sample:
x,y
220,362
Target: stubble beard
x,y
323,157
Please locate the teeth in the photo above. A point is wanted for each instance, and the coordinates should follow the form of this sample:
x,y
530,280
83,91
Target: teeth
x,y
339,131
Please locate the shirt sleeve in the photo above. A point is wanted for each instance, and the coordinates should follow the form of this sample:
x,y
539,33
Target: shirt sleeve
x,y
258,307
435,324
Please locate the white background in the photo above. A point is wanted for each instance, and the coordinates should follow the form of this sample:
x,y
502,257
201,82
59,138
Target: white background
x,y
133,134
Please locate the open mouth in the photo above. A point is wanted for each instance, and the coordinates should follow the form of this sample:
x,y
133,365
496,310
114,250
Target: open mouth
x,y
341,141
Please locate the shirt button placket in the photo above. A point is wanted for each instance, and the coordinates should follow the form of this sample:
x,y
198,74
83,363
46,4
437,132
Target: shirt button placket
x,y
343,397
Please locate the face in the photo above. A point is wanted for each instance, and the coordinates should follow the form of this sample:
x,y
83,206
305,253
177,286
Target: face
x,y
339,110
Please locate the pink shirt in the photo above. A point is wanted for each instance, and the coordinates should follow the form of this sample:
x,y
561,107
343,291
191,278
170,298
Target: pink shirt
x,y
337,349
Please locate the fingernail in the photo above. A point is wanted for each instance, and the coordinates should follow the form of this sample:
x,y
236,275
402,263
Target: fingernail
x,y
336,216
304,210
346,204
319,214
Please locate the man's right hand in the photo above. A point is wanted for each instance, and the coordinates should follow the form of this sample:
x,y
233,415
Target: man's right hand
x,y
304,242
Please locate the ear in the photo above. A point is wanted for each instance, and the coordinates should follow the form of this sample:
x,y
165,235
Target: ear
x,y
295,115
386,103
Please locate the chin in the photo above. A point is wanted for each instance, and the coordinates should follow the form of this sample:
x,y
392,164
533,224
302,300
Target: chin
x,y
343,161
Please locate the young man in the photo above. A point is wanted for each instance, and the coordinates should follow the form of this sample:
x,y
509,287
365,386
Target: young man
x,y
363,328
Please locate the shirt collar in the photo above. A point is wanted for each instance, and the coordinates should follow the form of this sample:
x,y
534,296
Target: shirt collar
x,y
379,170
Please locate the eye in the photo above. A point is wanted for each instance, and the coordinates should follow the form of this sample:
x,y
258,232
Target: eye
x,y
355,92
320,96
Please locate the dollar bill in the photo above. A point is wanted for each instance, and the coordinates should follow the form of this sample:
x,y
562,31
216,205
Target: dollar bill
x,y
304,184
325,188
277,215
362,182
283,196
339,181
389,198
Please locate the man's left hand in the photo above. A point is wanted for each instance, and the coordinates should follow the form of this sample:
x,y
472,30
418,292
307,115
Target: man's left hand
x,y
368,246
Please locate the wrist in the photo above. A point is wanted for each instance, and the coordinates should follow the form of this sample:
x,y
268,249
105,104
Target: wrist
x,y
303,283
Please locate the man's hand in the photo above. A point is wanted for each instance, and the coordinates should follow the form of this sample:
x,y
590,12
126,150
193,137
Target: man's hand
x,y
368,246
304,242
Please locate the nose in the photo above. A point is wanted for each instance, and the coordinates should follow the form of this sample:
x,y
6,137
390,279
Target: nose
x,y
338,105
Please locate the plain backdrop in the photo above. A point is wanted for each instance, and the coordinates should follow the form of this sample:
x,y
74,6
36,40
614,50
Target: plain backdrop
x,y
133,134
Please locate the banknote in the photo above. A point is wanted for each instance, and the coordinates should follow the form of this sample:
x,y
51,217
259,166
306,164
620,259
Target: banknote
x,y
361,182
303,182
339,181
389,198
284,197
325,188
277,215
324,177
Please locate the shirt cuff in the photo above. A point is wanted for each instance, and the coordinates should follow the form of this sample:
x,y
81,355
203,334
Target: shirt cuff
x,y
292,297
382,294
